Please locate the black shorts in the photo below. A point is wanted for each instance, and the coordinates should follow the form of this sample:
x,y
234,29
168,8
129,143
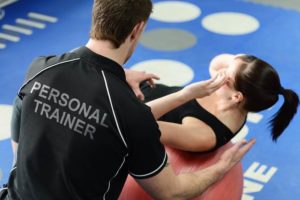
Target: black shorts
x,y
158,91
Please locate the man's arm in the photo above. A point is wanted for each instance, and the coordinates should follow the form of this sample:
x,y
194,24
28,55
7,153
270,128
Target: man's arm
x,y
167,185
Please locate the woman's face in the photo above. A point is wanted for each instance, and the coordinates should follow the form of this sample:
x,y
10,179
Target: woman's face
x,y
228,88
234,66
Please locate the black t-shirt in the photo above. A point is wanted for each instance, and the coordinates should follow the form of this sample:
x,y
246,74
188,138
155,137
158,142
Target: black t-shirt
x,y
193,109
82,130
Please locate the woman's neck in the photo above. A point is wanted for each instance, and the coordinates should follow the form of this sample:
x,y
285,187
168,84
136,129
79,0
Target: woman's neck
x,y
232,116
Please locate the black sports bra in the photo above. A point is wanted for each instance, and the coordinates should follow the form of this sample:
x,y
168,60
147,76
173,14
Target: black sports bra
x,y
192,109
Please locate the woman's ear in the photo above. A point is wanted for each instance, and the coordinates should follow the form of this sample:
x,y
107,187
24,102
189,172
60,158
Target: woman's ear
x,y
238,97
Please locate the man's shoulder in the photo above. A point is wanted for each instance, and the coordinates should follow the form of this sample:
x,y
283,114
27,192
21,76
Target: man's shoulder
x,y
43,62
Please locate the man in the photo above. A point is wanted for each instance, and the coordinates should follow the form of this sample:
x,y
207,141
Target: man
x,y
82,129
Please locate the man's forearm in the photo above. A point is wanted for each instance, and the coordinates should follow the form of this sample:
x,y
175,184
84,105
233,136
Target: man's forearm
x,y
168,185
194,184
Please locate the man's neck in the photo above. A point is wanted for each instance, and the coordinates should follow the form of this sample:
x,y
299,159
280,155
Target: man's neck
x,y
106,49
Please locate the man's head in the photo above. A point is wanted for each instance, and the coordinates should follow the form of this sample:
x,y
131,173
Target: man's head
x,y
114,20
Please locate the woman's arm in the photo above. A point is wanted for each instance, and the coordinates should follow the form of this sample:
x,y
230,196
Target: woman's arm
x,y
193,91
192,135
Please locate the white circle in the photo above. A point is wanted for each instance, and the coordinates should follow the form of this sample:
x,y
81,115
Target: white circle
x,y
175,11
5,118
230,23
2,13
242,134
172,73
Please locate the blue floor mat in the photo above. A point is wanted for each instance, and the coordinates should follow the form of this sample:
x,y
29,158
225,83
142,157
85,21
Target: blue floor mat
x,y
271,169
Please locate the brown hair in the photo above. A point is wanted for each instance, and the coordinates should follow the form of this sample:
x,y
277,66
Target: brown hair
x,y
260,84
113,20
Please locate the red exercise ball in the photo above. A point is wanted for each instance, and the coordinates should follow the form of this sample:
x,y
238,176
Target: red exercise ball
x,y
230,187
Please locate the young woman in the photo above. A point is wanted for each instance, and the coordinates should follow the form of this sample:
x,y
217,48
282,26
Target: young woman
x,y
207,123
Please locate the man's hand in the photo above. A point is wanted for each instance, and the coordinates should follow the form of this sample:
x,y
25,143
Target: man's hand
x,y
134,78
234,154
204,88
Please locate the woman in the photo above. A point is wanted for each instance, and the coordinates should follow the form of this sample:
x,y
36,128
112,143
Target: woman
x,y
208,123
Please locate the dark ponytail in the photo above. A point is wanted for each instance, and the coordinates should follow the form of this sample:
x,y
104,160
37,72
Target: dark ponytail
x,y
260,84
284,115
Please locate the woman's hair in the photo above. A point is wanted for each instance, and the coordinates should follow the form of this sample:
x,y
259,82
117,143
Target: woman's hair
x,y
113,20
260,84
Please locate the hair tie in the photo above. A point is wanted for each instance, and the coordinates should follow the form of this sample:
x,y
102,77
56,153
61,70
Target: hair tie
x,y
281,90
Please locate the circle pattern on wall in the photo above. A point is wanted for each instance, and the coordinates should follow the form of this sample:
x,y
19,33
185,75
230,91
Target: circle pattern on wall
x,y
168,39
230,23
171,72
175,11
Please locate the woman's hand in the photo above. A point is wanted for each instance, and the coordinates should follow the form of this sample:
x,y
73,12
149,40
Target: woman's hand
x,y
204,88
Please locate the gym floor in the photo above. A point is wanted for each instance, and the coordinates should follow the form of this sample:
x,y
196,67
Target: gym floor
x,y
180,39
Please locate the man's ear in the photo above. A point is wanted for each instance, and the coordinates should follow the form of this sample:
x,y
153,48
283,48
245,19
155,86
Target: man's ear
x,y
137,30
